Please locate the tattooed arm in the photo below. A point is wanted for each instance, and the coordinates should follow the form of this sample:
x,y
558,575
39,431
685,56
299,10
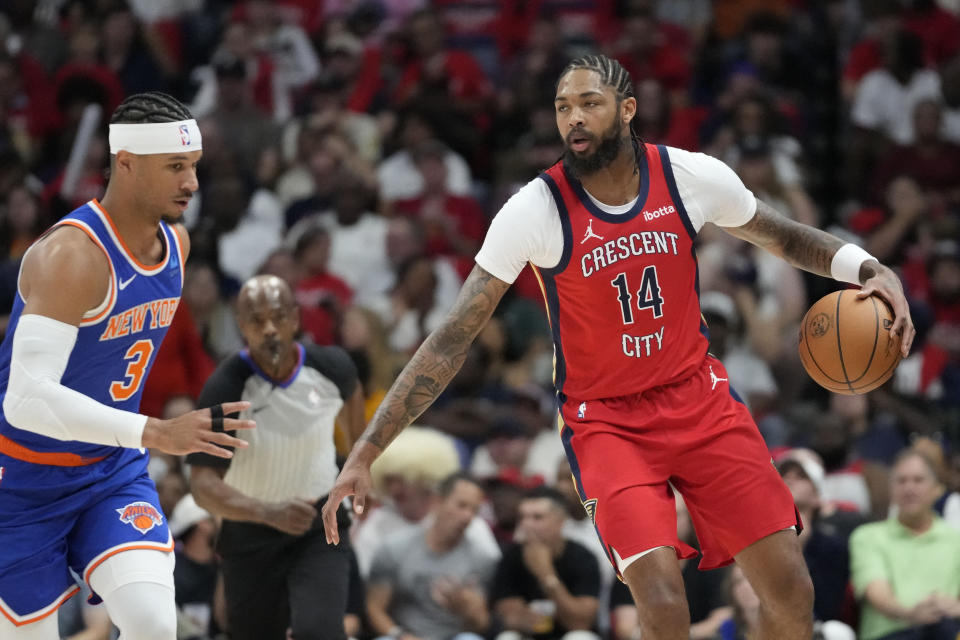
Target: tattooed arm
x,y
813,250
433,366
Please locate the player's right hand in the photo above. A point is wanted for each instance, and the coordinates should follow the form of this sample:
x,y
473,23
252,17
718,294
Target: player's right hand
x,y
354,480
293,516
193,432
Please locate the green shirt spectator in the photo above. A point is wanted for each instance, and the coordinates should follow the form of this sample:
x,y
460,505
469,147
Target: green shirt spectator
x,y
906,569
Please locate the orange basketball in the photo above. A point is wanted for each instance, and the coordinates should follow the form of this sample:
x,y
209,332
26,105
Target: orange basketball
x,y
845,342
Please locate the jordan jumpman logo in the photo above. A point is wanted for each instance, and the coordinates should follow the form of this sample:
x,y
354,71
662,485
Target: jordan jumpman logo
x,y
590,234
715,379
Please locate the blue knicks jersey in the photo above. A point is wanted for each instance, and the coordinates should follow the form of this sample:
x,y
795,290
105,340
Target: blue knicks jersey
x,y
118,341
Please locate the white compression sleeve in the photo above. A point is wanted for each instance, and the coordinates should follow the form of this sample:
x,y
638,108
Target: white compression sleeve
x,y
36,401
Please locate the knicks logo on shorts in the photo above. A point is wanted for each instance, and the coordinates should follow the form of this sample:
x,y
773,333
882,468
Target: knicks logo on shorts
x,y
590,506
142,516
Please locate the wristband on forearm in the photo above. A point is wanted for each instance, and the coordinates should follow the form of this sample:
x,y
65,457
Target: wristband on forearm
x,y
846,263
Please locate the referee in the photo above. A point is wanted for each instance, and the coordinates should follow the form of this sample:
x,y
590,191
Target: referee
x,y
278,569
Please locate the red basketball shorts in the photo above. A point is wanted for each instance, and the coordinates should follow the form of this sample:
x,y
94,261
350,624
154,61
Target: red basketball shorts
x,y
696,435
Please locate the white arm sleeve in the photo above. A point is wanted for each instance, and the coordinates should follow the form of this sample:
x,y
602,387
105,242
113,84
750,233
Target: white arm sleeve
x,y
711,191
526,229
36,401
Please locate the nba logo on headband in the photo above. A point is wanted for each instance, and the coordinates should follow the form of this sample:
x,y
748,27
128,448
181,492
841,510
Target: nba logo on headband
x,y
155,137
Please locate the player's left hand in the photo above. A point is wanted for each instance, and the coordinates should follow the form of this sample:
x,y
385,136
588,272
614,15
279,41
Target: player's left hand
x,y
885,284
354,480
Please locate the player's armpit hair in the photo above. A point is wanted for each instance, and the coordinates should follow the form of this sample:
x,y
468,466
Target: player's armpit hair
x,y
438,359
150,107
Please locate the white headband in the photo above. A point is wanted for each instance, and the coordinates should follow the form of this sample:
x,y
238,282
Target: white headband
x,y
155,137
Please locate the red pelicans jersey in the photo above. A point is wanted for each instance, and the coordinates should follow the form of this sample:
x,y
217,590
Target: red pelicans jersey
x,y
623,302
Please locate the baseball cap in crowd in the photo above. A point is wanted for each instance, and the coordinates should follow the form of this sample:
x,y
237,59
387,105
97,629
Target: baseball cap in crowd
x,y
720,305
343,42
186,515
806,466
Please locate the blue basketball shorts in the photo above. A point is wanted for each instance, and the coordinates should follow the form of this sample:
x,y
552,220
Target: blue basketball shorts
x,y
54,519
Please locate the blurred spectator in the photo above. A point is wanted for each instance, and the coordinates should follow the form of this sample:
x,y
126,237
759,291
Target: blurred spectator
x,y
882,24
406,477
651,51
363,335
25,105
947,505
24,219
138,62
180,367
431,583
80,620
746,614
454,225
322,297
756,164
195,574
213,317
579,526
546,586
824,550
288,47
236,44
658,121
397,174
250,225
445,78
907,569
249,130
527,79
307,186
325,109
414,311
930,160
358,237
749,374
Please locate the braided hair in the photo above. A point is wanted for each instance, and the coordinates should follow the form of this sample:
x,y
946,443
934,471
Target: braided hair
x,y
150,107
613,75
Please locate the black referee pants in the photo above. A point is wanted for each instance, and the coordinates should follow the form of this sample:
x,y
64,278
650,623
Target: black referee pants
x,y
296,582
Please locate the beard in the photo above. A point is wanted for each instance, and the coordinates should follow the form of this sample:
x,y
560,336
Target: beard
x,y
585,164
172,219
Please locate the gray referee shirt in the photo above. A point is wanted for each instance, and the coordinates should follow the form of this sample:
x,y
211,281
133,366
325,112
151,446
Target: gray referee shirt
x,y
291,453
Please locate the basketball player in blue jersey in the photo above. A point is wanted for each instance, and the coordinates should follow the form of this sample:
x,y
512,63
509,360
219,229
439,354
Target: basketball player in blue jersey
x,y
96,295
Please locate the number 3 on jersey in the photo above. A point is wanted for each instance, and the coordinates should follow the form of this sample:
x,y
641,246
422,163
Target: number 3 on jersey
x,y
648,296
139,357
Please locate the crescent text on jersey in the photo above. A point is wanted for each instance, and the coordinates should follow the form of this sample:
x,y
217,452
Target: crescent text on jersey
x,y
633,244
134,319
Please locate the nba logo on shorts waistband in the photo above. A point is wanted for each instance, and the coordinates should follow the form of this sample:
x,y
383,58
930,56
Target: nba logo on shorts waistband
x,y
142,516
582,410
184,135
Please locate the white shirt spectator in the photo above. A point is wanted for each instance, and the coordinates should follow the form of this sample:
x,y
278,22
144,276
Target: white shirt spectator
x,y
385,521
400,179
358,254
260,231
885,105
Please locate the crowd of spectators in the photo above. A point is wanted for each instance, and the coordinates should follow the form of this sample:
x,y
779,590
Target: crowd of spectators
x,y
358,150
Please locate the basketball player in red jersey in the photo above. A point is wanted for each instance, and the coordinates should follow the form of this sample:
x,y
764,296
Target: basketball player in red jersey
x,y
609,233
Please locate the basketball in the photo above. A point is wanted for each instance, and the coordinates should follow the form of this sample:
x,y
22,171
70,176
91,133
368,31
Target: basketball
x,y
845,342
